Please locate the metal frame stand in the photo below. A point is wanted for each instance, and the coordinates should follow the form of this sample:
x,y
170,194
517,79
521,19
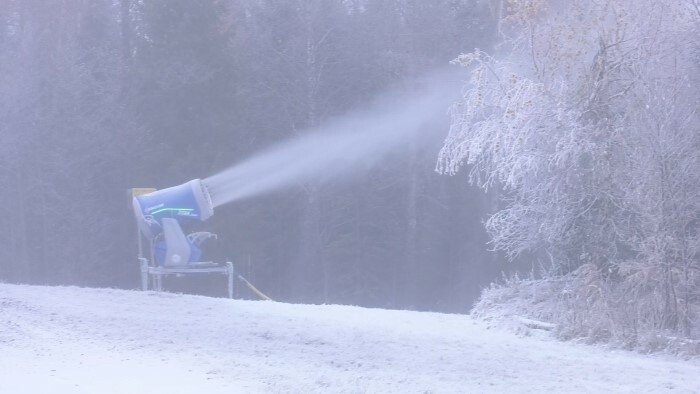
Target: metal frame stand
x,y
156,274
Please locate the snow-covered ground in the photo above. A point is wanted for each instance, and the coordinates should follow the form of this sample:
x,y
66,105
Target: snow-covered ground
x,y
74,340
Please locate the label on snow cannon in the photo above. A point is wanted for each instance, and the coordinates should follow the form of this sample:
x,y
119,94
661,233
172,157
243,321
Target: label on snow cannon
x,y
189,201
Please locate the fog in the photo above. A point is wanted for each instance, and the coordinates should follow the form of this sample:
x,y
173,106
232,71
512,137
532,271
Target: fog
x,y
564,134
315,125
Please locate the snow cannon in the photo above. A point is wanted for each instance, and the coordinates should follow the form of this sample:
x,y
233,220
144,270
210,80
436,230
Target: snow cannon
x,y
187,202
160,213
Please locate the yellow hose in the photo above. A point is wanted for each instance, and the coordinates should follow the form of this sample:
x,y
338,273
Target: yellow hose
x,y
254,290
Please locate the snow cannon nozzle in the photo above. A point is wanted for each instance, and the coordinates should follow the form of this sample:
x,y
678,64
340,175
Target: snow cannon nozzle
x,y
189,201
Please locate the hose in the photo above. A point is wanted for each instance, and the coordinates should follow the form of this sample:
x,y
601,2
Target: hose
x,y
253,289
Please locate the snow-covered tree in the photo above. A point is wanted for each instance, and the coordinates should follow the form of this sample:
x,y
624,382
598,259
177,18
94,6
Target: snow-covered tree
x,y
539,122
588,120
660,177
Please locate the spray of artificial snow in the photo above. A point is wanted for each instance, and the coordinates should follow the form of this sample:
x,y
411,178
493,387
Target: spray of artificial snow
x,y
342,147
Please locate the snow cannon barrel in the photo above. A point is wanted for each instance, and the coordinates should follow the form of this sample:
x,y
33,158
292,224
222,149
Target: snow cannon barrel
x,y
189,201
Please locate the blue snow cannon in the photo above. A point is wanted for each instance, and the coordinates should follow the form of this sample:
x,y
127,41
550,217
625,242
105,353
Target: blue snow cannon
x,y
160,213
187,202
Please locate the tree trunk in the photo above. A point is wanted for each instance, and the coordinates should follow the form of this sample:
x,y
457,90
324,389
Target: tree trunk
x,y
125,25
310,274
411,270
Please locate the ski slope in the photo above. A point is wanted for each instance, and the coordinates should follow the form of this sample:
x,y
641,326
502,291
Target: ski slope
x,y
77,340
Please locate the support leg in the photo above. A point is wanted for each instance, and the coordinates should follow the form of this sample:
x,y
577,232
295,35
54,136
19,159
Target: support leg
x,y
144,273
229,265
158,279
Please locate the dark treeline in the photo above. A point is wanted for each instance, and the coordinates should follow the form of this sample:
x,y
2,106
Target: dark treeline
x,y
103,95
